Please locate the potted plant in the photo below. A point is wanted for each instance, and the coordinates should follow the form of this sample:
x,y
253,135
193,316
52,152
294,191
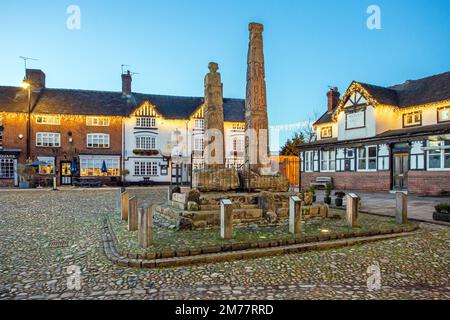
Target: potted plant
x,y
327,198
339,198
442,212
312,190
26,174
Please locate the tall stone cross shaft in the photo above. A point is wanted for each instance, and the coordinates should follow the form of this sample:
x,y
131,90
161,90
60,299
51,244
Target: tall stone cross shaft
x,y
214,128
256,120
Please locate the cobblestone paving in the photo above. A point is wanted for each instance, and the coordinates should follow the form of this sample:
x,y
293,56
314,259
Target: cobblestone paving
x,y
44,232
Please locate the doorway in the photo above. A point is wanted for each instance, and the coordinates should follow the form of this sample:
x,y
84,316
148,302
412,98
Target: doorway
x,y
66,173
400,171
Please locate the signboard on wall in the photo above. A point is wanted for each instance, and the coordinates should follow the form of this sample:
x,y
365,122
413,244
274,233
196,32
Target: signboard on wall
x,y
355,120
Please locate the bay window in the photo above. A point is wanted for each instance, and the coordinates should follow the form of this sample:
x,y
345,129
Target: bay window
x,y
92,166
198,144
146,143
328,160
367,158
145,168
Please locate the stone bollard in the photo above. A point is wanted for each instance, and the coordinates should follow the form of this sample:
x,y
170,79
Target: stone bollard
x,y
352,209
124,205
119,198
401,207
295,215
132,214
145,235
226,219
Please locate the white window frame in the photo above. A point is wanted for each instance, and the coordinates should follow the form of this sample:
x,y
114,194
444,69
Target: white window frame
x,y
48,120
90,166
103,141
48,139
199,124
146,143
412,116
145,122
328,157
50,163
145,168
329,130
238,144
7,168
443,151
309,161
97,121
199,144
441,110
367,158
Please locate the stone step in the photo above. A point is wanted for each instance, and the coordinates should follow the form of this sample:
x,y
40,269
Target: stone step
x,y
208,207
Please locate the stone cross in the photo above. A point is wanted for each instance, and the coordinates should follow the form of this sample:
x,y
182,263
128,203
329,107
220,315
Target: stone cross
x,y
256,120
226,219
213,114
145,235
401,207
124,204
352,210
132,215
295,215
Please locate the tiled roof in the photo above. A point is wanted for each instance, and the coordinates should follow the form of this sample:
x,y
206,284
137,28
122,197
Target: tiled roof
x,y
89,102
411,93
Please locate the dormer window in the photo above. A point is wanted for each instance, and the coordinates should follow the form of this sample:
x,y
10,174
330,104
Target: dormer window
x,y
97,121
326,132
412,119
444,114
146,122
49,120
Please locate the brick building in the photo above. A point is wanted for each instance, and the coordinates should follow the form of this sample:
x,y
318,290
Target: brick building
x,y
384,138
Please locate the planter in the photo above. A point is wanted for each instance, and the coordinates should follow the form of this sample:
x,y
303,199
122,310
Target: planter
x,y
327,200
339,202
24,185
441,216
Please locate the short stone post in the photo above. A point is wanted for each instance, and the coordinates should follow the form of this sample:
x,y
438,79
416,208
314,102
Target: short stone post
x,y
295,215
124,205
132,214
226,219
401,207
145,235
352,209
119,198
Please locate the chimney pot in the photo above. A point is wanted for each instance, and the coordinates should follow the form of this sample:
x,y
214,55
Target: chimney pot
x,y
333,98
36,78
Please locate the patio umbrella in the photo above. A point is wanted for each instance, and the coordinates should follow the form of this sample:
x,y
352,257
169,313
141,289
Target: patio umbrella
x,y
104,169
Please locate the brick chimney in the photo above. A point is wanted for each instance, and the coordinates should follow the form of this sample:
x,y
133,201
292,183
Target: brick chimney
x,y
36,77
333,98
126,84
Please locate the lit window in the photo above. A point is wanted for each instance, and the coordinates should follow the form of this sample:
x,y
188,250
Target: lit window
x,y
1,137
326,132
199,124
98,140
444,114
328,160
412,119
239,126
367,158
146,143
146,122
97,121
49,120
48,139
6,168
439,155
145,168
92,167
49,168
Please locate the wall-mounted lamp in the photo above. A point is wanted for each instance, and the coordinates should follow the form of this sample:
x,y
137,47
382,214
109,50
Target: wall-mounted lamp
x,y
70,140
20,136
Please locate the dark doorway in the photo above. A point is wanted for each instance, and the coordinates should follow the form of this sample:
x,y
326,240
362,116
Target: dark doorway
x,y
400,171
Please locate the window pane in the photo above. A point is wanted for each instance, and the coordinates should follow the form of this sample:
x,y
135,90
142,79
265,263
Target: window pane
x,y
435,161
372,151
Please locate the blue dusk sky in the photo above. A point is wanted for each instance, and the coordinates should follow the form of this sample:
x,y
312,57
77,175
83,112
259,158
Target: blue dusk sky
x,y
309,45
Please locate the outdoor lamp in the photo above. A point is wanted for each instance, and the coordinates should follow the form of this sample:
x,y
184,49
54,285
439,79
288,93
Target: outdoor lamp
x,y
20,136
25,84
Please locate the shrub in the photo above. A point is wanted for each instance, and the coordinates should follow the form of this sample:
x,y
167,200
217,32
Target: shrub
x,y
443,208
328,189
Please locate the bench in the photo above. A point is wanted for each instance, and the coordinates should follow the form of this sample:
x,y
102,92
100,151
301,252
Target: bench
x,y
322,182
146,182
87,183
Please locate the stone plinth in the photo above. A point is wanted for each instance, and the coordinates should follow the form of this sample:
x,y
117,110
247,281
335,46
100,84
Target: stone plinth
x,y
226,219
215,180
179,200
401,207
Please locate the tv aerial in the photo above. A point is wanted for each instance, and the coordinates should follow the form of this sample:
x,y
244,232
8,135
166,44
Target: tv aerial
x,y
25,59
